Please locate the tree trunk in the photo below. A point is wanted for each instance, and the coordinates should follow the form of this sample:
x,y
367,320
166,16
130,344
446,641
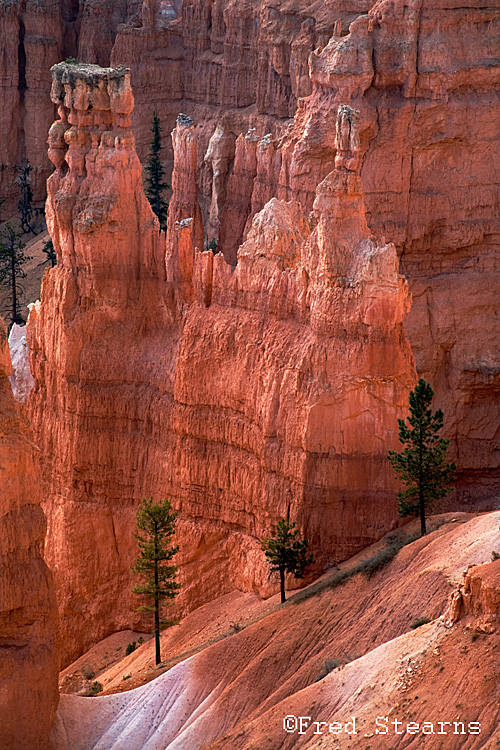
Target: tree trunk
x,y
423,530
421,502
157,608
13,283
282,585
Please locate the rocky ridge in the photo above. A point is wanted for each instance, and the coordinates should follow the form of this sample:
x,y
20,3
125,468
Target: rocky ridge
x,y
324,656
28,612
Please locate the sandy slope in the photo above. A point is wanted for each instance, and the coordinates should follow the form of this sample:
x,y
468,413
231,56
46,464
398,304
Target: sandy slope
x,y
236,692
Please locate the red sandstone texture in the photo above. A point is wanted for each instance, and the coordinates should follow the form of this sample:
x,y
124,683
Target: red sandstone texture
x,y
424,76
211,56
244,395
28,615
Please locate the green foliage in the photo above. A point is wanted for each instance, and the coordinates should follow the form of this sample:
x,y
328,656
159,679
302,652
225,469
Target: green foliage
x,y
156,526
70,60
96,688
155,180
421,466
25,204
12,259
48,249
286,553
130,648
212,245
418,622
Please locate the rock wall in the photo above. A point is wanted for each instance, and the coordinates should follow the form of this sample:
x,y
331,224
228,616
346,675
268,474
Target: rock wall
x,y
246,394
426,110
428,131
28,616
194,57
428,128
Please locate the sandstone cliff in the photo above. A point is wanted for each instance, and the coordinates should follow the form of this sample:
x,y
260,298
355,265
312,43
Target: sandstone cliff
x,y
198,56
428,129
427,117
244,394
28,615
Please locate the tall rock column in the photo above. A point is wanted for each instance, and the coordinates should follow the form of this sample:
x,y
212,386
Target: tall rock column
x,y
185,231
91,348
314,356
29,662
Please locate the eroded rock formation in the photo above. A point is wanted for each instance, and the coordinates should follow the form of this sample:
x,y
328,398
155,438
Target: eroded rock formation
x,y
427,131
28,616
478,596
101,307
244,394
193,56
424,77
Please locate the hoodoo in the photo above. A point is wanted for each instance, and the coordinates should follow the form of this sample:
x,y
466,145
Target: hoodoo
x,y
424,77
332,235
243,394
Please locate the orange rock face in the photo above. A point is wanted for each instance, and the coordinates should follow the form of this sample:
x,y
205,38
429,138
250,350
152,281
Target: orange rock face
x,y
35,36
244,395
425,123
28,615
197,58
100,302
479,596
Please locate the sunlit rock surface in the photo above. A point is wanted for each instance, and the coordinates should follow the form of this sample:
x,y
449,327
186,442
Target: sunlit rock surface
x,y
244,394
29,661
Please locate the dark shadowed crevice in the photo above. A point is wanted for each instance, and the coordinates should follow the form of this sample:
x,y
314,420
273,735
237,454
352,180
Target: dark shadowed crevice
x,y
21,60
70,10
70,14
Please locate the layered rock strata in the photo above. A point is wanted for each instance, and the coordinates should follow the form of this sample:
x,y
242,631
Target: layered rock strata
x,y
102,312
428,116
247,394
192,56
28,615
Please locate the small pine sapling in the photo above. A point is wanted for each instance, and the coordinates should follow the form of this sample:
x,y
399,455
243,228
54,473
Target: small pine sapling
x,y
422,465
155,184
156,527
287,553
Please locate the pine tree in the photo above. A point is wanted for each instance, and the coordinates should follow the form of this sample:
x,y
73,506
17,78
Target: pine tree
x,y
156,526
422,465
286,553
12,259
25,205
48,249
156,173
